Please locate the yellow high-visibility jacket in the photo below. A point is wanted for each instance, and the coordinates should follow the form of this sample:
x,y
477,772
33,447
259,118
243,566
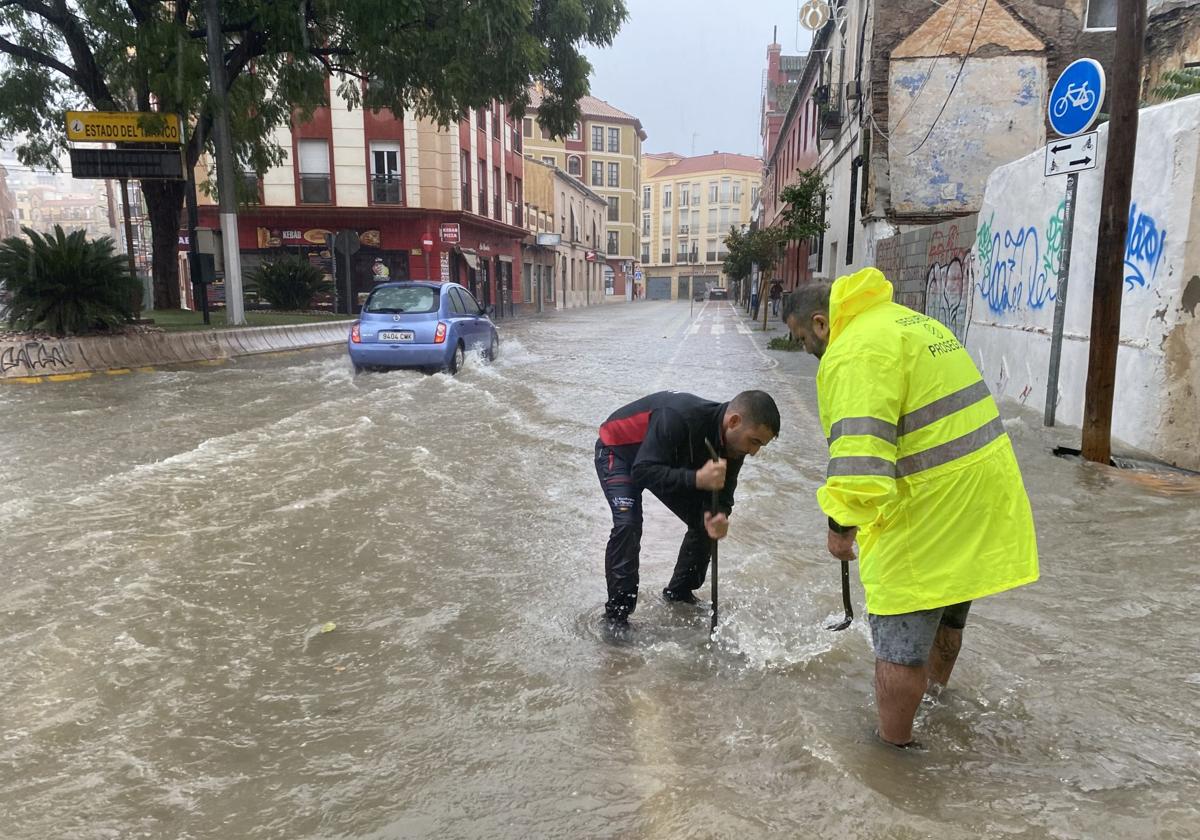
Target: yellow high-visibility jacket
x,y
918,458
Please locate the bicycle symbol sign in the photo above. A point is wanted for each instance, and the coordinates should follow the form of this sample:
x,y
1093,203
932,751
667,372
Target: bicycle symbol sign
x,y
1076,97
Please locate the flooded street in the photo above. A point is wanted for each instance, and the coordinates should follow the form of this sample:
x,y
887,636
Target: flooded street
x,y
176,544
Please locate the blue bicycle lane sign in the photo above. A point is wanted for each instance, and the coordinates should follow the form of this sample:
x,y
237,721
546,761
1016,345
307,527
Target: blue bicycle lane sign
x,y
1076,97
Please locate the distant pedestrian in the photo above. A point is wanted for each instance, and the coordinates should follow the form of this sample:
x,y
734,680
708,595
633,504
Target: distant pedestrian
x,y
921,473
657,443
776,295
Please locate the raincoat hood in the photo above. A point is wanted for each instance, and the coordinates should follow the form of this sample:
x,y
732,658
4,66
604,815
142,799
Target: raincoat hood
x,y
854,294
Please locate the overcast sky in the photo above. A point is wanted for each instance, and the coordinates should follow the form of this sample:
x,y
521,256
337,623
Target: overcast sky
x,y
684,66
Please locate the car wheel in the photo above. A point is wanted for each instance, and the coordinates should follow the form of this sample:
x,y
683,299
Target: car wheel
x,y
494,350
456,361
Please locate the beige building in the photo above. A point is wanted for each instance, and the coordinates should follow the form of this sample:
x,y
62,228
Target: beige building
x,y
689,205
604,152
571,271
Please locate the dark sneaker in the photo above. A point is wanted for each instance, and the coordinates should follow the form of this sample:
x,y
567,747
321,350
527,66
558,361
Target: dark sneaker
x,y
683,597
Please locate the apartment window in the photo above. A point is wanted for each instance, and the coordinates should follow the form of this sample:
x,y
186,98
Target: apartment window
x,y
645,253
481,119
549,160
666,191
712,220
498,212
753,196
613,247
1101,14
737,191
724,190
574,135
314,172
694,253
683,195
712,192
614,208
575,166
695,194
465,173
665,251
385,173
527,127
666,224
248,190
597,174
597,139
614,140
710,250
724,221
681,253
645,224
646,197
614,174
482,207
695,226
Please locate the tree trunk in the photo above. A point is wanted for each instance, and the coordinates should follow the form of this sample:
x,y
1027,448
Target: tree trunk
x,y
164,204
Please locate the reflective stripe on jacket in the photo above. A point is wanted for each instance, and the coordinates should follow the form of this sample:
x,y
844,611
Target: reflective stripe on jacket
x,y
918,458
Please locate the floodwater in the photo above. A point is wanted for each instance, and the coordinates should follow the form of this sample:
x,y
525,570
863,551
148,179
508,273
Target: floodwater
x,y
176,545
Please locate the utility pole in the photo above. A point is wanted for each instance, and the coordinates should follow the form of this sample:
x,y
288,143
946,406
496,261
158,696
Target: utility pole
x,y
1114,223
226,184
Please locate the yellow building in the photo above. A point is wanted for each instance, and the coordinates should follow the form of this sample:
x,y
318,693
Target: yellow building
x,y
688,206
605,154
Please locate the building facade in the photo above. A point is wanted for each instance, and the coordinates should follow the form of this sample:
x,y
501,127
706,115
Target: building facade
x,y
564,267
604,152
414,200
913,106
689,205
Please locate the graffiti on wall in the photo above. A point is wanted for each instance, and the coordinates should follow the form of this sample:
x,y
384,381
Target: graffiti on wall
x,y
948,281
1144,245
33,355
1018,266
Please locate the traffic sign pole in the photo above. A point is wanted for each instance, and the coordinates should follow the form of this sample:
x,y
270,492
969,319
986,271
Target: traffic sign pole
x,y
1060,301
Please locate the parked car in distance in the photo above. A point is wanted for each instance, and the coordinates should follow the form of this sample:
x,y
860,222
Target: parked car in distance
x,y
422,325
718,293
699,293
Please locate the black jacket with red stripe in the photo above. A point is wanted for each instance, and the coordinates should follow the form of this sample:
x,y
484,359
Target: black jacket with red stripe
x,y
662,435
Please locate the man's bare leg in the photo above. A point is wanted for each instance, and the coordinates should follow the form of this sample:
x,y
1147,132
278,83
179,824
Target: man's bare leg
x,y
898,693
946,645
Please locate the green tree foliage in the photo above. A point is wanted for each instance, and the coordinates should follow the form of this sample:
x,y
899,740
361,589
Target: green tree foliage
x,y
1176,84
804,206
289,283
746,249
438,57
65,284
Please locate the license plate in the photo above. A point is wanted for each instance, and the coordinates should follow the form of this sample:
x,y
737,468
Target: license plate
x,y
396,335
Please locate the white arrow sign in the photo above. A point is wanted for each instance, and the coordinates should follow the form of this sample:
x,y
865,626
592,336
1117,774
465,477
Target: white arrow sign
x,y
1071,154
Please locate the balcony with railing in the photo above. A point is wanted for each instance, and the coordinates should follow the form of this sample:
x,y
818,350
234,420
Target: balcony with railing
x,y
315,189
710,256
386,189
666,257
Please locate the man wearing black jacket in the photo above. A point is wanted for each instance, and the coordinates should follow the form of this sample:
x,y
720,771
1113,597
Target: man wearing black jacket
x,y
657,443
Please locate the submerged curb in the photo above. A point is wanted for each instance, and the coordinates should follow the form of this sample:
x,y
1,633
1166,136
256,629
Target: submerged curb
x,y
56,360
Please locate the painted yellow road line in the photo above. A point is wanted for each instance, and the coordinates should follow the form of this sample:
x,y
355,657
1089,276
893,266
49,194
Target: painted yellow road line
x,y
118,371
68,377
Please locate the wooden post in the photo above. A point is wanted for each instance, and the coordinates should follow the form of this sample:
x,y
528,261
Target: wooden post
x,y
1114,223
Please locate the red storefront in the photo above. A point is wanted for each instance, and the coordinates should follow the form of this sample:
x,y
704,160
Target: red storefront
x,y
393,243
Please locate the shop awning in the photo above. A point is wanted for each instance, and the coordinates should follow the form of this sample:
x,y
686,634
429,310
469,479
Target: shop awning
x,y
470,257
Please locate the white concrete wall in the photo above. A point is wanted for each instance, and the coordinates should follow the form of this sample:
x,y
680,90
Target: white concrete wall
x,y
1014,268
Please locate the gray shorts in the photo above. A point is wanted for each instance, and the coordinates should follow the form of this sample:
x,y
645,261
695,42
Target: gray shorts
x,y
907,638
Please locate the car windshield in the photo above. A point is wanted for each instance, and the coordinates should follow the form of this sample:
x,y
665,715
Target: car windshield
x,y
395,299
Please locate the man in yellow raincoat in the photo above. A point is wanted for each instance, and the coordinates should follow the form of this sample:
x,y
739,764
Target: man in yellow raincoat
x,y
921,474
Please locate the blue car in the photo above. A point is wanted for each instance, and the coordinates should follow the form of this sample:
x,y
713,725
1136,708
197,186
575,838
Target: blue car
x,y
427,326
